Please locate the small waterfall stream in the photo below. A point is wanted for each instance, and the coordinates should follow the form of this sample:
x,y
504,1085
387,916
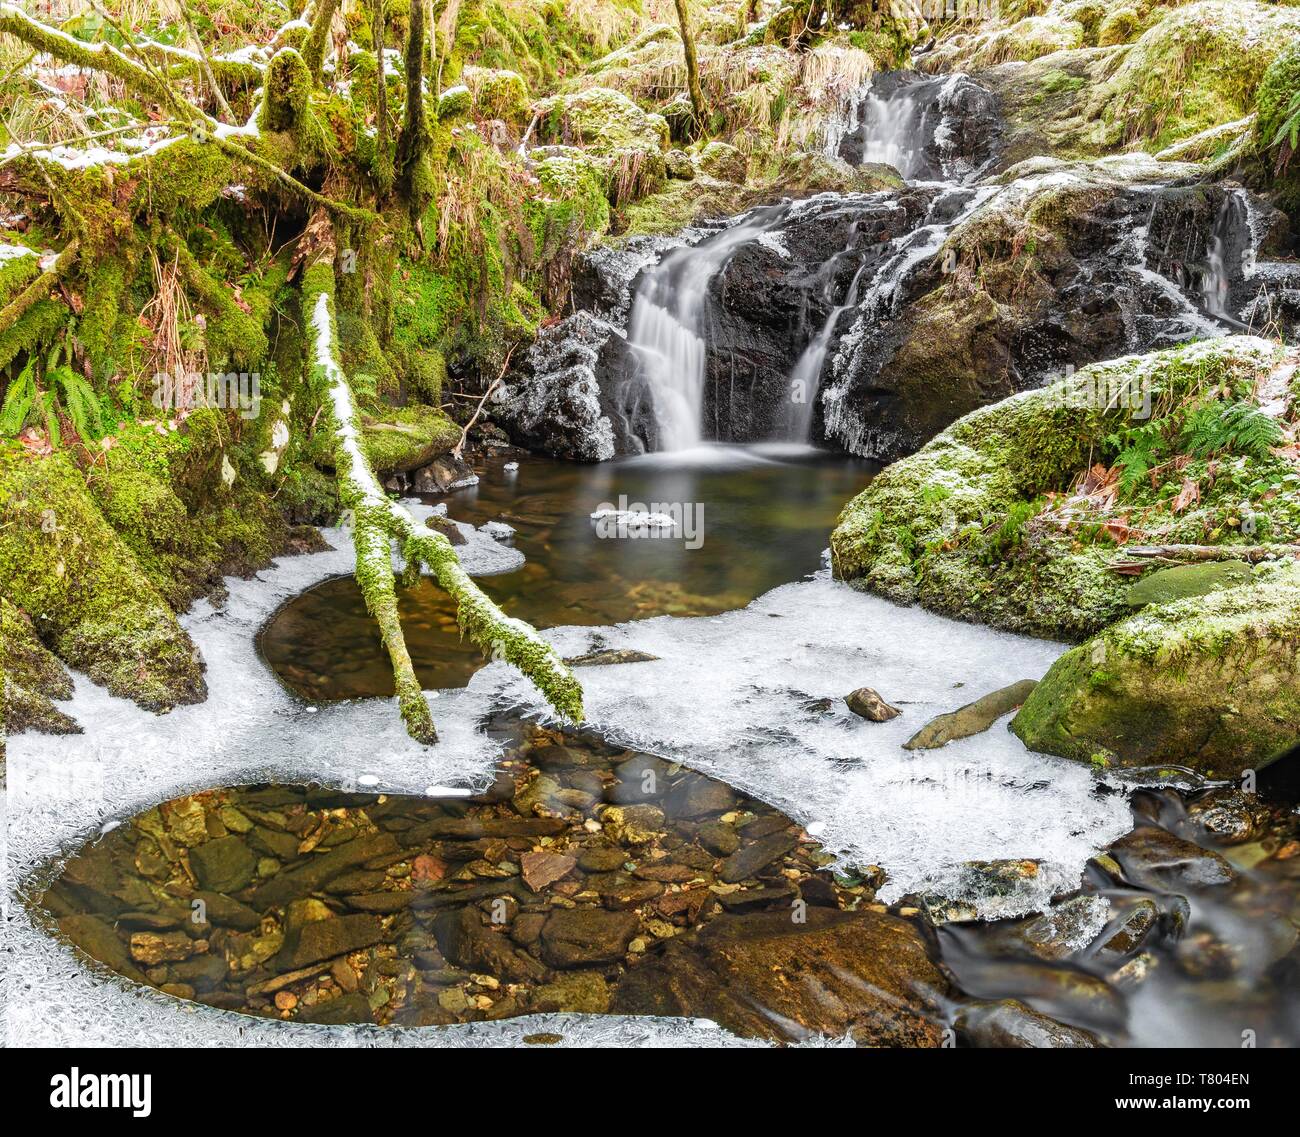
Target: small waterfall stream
x,y
666,330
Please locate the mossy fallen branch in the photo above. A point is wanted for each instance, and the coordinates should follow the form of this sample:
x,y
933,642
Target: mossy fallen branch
x,y
377,522
39,288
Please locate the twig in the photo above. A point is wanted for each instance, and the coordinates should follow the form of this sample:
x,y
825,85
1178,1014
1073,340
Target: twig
x,y
459,449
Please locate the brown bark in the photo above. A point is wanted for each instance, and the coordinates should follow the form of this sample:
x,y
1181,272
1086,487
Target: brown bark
x,y
699,113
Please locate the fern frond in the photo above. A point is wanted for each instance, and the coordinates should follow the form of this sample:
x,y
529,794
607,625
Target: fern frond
x,y
18,402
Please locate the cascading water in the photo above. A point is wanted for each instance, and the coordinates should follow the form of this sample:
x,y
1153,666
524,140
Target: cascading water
x,y
891,132
805,380
1216,279
666,327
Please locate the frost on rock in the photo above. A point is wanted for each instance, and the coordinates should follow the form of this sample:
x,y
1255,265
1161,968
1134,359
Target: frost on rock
x,y
553,404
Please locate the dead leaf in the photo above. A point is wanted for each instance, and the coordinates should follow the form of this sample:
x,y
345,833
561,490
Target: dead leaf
x,y
1188,496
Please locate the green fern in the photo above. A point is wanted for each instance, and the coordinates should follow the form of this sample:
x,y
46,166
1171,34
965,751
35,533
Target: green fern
x,y
19,400
1140,450
1289,131
1237,428
79,400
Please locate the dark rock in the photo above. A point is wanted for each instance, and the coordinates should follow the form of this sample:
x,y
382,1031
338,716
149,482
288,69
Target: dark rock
x,y
642,778
573,937
755,856
320,870
351,1008
325,939
1010,1024
1154,858
1228,816
610,656
719,837
694,795
757,899
602,858
973,718
228,913
97,939
381,903
224,865
862,974
865,703
469,943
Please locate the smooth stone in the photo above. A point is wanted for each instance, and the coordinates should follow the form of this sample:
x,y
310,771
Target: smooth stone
x,y
751,858
325,939
1182,581
1009,1024
973,718
226,864
867,704
353,1007
572,937
1154,858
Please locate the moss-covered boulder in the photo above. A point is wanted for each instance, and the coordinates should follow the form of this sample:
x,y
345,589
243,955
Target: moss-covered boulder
x,y
1198,67
1014,514
406,438
84,589
30,678
1275,103
1211,682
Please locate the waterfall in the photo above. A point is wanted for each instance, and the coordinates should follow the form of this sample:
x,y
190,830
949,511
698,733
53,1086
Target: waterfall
x,y
891,130
805,379
666,329
1216,279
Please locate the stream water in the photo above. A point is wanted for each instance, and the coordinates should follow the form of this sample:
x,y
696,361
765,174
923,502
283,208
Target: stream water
x,y
1142,909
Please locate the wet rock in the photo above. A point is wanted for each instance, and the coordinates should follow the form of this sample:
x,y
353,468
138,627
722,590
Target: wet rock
x,y
865,703
633,824
610,656
320,870
153,947
973,718
325,939
469,943
380,903
543,868
719,838
348,1008
695,796
1139,920
577,936
97,939
754,856
758,899
1063,930
1008,1023
224,865
602,858
576,992
1154,858
1228,816
642,778
862,974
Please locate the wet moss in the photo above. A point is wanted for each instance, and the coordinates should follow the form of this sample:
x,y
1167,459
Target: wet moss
x,y
30,679
84,589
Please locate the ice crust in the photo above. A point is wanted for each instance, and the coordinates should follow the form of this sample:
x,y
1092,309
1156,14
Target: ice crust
x,y
730,695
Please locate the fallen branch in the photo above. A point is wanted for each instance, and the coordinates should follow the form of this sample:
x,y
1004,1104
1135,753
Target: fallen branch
x,y
377,521
459,450
1252,554
39,288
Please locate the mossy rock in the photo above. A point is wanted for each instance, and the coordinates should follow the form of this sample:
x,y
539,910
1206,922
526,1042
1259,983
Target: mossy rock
x,y
455,103
1210,682
84,589
407,438
724,162
953,526
500,94
1199,67
1118,27
1182,581
602,121
31,678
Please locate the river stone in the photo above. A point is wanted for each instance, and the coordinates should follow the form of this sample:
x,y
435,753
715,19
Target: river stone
x,y
609,656
1010,1024
973,718
572,937
863,974
718,837
321,869
349,1008
754,856
576,992
1187,580
602,858
1058,933
642,778
227,913
325,939
469,943
698,796
1137,923
97,939
1154,858
867,704
543,868
224,865
1228,816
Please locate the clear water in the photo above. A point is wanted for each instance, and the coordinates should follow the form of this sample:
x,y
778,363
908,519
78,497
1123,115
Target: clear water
x,y
763,515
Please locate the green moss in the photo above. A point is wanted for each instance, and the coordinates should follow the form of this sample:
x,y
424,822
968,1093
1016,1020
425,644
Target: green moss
x,y
1211,682
1118,27
407,438
83,588
1198,67
958,526
30,678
